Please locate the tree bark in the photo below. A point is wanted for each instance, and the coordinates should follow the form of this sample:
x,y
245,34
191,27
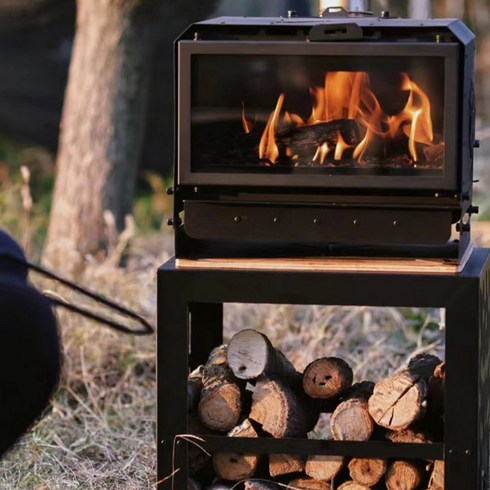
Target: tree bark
x,y
220,404
282,408
102,126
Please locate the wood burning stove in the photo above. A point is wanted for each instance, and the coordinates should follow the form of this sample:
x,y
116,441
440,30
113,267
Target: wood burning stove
x,y
324,136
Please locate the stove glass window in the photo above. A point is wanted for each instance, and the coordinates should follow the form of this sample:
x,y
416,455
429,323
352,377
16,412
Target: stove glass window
x,y
379,115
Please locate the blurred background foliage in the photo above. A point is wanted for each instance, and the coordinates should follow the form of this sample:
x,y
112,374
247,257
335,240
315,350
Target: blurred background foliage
x,y
35,46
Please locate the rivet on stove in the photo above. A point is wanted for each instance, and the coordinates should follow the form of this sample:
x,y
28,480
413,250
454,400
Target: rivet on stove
x,y
237,219
276,220
355,222
316,221
468,452
396,223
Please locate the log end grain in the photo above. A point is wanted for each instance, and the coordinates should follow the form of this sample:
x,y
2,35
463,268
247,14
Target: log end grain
x,y
398,400
284,464
248,354
323,467
351,421
327,377
220,409
367,471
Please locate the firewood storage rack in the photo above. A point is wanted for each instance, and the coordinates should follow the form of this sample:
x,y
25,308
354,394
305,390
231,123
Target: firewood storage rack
x,y
190,325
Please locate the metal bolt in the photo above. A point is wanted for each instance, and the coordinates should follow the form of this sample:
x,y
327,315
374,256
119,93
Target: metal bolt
x,y
179,442
196,189
451,451
436,194
276,220
237,219
355,222
468,452
316,221
396,223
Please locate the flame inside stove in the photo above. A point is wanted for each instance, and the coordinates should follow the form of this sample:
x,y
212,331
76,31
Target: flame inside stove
x,y
347,118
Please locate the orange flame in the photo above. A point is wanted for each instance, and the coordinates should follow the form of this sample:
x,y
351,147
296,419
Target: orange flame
x,y
247,124
268,147
348,95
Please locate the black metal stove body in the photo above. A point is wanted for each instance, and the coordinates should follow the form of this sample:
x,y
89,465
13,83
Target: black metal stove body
x,y
314,136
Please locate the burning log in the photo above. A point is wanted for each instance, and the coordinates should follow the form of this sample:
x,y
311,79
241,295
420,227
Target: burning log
x,y
327,377
323,467
221,398
400,399
367,471
282,408
309,484
236,466
283,464
351,420
194,387
251,354
352,485
436,481
305,139
404,475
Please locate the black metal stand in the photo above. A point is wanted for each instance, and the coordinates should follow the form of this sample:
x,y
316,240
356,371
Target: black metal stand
x,y
190,324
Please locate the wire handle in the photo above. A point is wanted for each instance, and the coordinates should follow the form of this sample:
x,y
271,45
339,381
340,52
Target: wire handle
x,y
146,327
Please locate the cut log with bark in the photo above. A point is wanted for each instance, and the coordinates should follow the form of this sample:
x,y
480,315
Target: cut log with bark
x,y
194,387
436,481
352,485
404,475
251,354
284,464
236,466
323,467
351,421
301,139
282,409
221,395
327,377
309,484
401,399
367,471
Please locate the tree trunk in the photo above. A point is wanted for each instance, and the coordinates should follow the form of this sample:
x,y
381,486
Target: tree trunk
x,y
102,126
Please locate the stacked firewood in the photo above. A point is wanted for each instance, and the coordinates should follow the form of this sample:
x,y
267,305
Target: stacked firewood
x,y
249,389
